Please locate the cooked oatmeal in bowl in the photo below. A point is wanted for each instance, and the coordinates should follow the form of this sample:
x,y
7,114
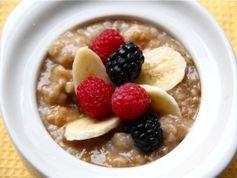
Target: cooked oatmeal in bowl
x,y
118,93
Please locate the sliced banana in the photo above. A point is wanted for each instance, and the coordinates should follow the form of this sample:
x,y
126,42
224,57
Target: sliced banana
x,y
86,64
87,127
163,67
161,101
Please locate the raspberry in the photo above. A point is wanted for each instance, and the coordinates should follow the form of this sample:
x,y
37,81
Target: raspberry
x,y
125,64
146,132
94,96
130,101
106,43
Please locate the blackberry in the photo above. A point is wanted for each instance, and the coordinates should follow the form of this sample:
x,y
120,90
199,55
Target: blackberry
x,y
146,132
125,64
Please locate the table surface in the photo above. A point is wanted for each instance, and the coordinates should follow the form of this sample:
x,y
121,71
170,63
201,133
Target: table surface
x,y
10,165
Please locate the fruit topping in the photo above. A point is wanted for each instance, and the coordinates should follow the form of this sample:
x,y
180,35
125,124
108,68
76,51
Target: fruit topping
x,y
94,97
125,64
87,64
162,102
106,43
145,131
130,101
163,67
86,127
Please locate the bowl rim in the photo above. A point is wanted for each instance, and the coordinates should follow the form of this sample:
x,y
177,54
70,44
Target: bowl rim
x,y
23,6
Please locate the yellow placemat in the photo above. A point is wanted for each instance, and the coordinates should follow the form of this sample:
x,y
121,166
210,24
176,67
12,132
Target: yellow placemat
x,y
11,166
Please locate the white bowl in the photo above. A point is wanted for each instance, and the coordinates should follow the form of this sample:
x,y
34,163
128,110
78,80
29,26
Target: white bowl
x,y
205,151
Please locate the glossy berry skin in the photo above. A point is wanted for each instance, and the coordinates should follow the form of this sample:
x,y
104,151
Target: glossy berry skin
x,y
94,97
146,132
125,64
130,101
107,43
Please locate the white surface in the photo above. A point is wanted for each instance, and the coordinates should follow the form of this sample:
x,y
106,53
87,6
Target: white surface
x,y
206,150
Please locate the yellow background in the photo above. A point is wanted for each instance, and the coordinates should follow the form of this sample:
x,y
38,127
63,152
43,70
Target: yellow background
x,y
10,165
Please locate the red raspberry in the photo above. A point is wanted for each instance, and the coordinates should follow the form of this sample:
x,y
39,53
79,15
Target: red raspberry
x,y
107,43
94,96
130,101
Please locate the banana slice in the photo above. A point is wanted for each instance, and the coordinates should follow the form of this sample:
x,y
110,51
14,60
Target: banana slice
x,y
86,64
161,101
163,67
86,128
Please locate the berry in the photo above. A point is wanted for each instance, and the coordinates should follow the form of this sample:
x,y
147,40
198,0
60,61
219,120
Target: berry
x,y
106,43
94,97
125,64
130,101
146,132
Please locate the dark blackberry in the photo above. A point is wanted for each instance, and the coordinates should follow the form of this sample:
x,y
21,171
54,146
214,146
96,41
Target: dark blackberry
x,y
125,64
146,132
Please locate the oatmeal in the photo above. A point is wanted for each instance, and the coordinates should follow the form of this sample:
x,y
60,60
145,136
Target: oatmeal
x,y
58,98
